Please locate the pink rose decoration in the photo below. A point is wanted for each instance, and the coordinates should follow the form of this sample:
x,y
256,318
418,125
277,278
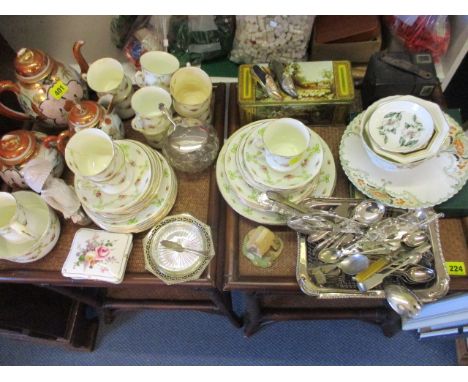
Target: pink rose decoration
x,y
102,252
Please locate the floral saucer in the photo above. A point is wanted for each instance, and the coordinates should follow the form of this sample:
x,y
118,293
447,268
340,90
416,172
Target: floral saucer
x,y
44,225
158,207
98,255
400,126
243,198
430,183
253,154
95,199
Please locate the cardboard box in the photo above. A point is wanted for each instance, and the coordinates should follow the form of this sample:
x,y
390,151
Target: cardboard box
x,y
356,52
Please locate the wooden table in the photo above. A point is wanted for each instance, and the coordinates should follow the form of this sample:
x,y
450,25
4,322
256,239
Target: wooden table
x,y
198,195
273,294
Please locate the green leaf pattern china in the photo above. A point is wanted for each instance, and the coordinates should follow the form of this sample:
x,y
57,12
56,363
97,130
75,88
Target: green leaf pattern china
x,y
430,183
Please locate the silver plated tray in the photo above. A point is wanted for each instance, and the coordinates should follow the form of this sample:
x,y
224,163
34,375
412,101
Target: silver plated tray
x,y
344,287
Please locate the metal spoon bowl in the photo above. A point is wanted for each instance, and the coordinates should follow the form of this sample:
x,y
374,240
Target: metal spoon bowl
x,y
402,300
369,212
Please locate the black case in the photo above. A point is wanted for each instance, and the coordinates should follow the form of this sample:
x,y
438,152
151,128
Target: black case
x,y
383,80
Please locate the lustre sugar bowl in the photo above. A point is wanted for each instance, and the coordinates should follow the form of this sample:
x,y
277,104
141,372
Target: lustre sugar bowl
x,y
17,148
90,114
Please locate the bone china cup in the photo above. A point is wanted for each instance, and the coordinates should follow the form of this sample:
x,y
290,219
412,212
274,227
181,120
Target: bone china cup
x,y
13,222
156,69
191,89
285,141
89,153
145,102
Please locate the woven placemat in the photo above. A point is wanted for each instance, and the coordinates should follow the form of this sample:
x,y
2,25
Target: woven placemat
x,y
454,244
192,197
285,265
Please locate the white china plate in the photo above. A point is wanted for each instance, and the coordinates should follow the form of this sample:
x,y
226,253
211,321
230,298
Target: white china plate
x,y
425,185
253,156
95,199
241,197
44,225
158,207
400,126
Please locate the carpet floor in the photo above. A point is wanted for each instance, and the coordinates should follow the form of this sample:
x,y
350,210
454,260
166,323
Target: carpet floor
x,y
193,338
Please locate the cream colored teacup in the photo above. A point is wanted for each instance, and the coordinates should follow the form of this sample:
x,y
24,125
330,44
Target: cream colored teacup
x,y
106,76
285,141
13,221
149,120
191,89
91,154
157,68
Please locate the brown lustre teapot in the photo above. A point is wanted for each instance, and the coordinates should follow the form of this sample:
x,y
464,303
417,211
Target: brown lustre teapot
x,y
46,89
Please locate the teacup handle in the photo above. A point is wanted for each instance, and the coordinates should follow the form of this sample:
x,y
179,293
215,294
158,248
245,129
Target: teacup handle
x,y
140,79
137,124
21,231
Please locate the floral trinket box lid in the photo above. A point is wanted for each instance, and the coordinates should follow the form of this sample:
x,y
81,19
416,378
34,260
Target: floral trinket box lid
x,y
98,255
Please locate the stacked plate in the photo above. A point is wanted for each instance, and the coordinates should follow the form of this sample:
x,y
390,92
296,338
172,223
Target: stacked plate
x,y
146,201
406,153
403,131
243,173
44,224
98,255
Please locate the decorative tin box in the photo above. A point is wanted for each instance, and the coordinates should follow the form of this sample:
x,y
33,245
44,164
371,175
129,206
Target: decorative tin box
x,y
325,89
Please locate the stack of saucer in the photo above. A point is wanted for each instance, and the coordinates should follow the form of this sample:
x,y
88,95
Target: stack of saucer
x,y
405,152
44,226
403,131
279,155
98,255
129,194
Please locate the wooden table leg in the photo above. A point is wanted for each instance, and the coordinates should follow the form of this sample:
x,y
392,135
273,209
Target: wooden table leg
x,y
223,302
109,315
253,315
462,350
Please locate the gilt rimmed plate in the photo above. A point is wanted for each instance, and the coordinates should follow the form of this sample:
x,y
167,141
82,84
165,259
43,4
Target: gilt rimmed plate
x,y
159,206
430,183
95,199
241,197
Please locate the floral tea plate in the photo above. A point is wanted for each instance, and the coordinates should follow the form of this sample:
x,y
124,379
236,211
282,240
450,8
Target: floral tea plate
x,y
95,199
430,183
44,225
255,161
98,255
400,126
158,207
243,198
174,267
252,187
156,168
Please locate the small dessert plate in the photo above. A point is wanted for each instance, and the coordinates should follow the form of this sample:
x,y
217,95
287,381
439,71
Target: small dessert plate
x,y
400,126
